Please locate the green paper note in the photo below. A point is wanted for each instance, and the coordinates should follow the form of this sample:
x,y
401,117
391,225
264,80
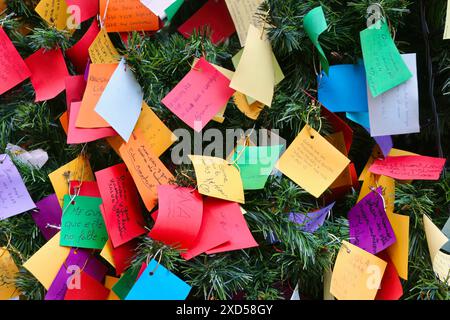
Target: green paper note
x,y
385,68
314,24
125,283
173,9
256,164
82,224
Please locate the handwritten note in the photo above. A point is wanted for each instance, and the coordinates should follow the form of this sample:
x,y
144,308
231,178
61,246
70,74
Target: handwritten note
x,y
243,14
397,110
441,266
409,167
385,68
122,211
102,50
200,95
14,196
370,228
353,270
121,101
398,251
48,73
13,69
79,53
315,24
48,214
147,170
311,221
78,169
312,162
99,76
256,63
82,224
131,15
218,178
8,273
54,12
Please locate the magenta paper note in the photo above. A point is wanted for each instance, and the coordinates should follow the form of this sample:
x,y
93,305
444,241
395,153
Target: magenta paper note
x,y
48,216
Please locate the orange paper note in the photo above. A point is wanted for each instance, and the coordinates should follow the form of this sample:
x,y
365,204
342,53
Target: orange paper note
x,y
8,271
398,252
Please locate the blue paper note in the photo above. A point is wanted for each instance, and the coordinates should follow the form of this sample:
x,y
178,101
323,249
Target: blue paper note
x,y
121,102
345,89
312,221
158,283
361,118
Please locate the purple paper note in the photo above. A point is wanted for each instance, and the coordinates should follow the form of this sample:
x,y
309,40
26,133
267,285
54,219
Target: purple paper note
x,y
311,221
370,228
14,196
48,216
384,142
82,259
86,71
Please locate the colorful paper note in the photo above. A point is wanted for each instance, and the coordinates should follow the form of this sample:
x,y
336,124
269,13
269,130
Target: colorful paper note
x,y
122,211
228,219
441,266
120,257
88,8
385,143
78,169
125,283
256,63
251,111
54,12
397,110
147,170
218,178
75,87
398,252
180,212
48,72
85,188
121,101
90,290
82,224
361,118
243,13
79,53
102,49
315,24
99,76
14,196
48,216
312,162
158,7
173,9
45,263
311,221
158,283
338,125
338,141
344,89
357,274
214,17
409,167
109,283
13,69
385,68
435,238
8,271
390,287
200,95
131,15
255,164
370,228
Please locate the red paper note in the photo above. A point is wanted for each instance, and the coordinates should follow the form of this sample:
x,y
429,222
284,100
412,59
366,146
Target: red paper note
x,y
339,125
142,269
87,188
228,218
179,218
75,86
13,69
88,8
89,289
391,286
48,73
122,211
409,167
77,135
79,53
200,95
215,16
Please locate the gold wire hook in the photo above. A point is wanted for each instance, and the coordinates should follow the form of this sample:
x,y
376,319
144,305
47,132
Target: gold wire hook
x,y
159,252
102,21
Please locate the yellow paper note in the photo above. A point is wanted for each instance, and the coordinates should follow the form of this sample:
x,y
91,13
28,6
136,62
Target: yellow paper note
x,y
441,266
78,169
357,274
109,283
398,252
218,178
243,14
374,181
435,237
327,285
8,271
338,141
156,134
54,12
106,253
255,75
251,111
312,162
102,49
46,262
447,22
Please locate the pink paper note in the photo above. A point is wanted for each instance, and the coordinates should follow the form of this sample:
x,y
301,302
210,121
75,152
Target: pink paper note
x,y
79,53
200,95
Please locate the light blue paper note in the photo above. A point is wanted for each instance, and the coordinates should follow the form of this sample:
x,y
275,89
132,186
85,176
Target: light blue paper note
x,y
158,283
361,118
121,102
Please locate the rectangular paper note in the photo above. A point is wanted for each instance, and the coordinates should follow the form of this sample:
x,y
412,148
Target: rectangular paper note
x,y
102,49
397,110
315,24
398,252
121,101
8,271
243,14
48,216
14,196
54,12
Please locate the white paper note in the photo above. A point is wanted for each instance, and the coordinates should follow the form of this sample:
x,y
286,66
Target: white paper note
x,y
158,7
